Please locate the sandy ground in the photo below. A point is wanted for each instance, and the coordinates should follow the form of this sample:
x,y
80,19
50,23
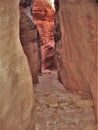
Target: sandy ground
x,y
58,109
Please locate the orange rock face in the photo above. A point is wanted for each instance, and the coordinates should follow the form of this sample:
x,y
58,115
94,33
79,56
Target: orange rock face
x,y
44,17
76,51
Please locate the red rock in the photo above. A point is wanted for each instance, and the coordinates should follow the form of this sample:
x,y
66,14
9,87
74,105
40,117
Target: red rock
x,y
44,18
76,51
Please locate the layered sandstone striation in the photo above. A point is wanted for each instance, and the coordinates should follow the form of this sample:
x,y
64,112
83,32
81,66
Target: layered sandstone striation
x,y
16,90
43,13
29,37
76,46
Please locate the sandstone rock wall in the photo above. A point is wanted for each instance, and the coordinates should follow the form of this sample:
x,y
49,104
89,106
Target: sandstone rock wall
x,y
16,90
44,17
28,37
76,52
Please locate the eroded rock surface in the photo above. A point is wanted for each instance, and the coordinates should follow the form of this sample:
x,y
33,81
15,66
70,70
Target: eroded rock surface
x,y
76,50
29,37
44,18
16,89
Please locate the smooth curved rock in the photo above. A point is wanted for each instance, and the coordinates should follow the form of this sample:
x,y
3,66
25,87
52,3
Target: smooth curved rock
x,y
16,89
77,49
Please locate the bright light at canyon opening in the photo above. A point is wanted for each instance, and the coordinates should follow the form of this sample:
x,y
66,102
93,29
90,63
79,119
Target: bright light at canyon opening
x,y
52,2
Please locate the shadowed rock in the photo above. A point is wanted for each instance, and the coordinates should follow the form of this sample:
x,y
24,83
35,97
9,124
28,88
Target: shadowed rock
x,y
28,37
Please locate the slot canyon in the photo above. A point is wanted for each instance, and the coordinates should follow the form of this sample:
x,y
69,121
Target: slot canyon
x,y
48,65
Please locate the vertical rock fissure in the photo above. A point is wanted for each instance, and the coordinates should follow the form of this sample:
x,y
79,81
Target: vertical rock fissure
x,y
74,34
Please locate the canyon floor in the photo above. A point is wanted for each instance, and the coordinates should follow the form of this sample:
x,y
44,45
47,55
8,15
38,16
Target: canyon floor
x,y
58,109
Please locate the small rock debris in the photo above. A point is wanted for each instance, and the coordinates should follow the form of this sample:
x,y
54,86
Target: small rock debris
x,y
58,109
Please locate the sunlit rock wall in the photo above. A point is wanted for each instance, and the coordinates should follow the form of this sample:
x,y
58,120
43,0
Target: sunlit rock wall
x,y
16,90
44,18
76,50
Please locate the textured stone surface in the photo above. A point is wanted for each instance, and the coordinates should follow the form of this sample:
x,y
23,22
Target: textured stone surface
x,y
90,128
55,109
16,90
52,99
44,18
84,103
76,51
28,37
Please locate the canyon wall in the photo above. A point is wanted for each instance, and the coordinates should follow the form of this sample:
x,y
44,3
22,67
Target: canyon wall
x,y
29,37
16,90
43,14
76,45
